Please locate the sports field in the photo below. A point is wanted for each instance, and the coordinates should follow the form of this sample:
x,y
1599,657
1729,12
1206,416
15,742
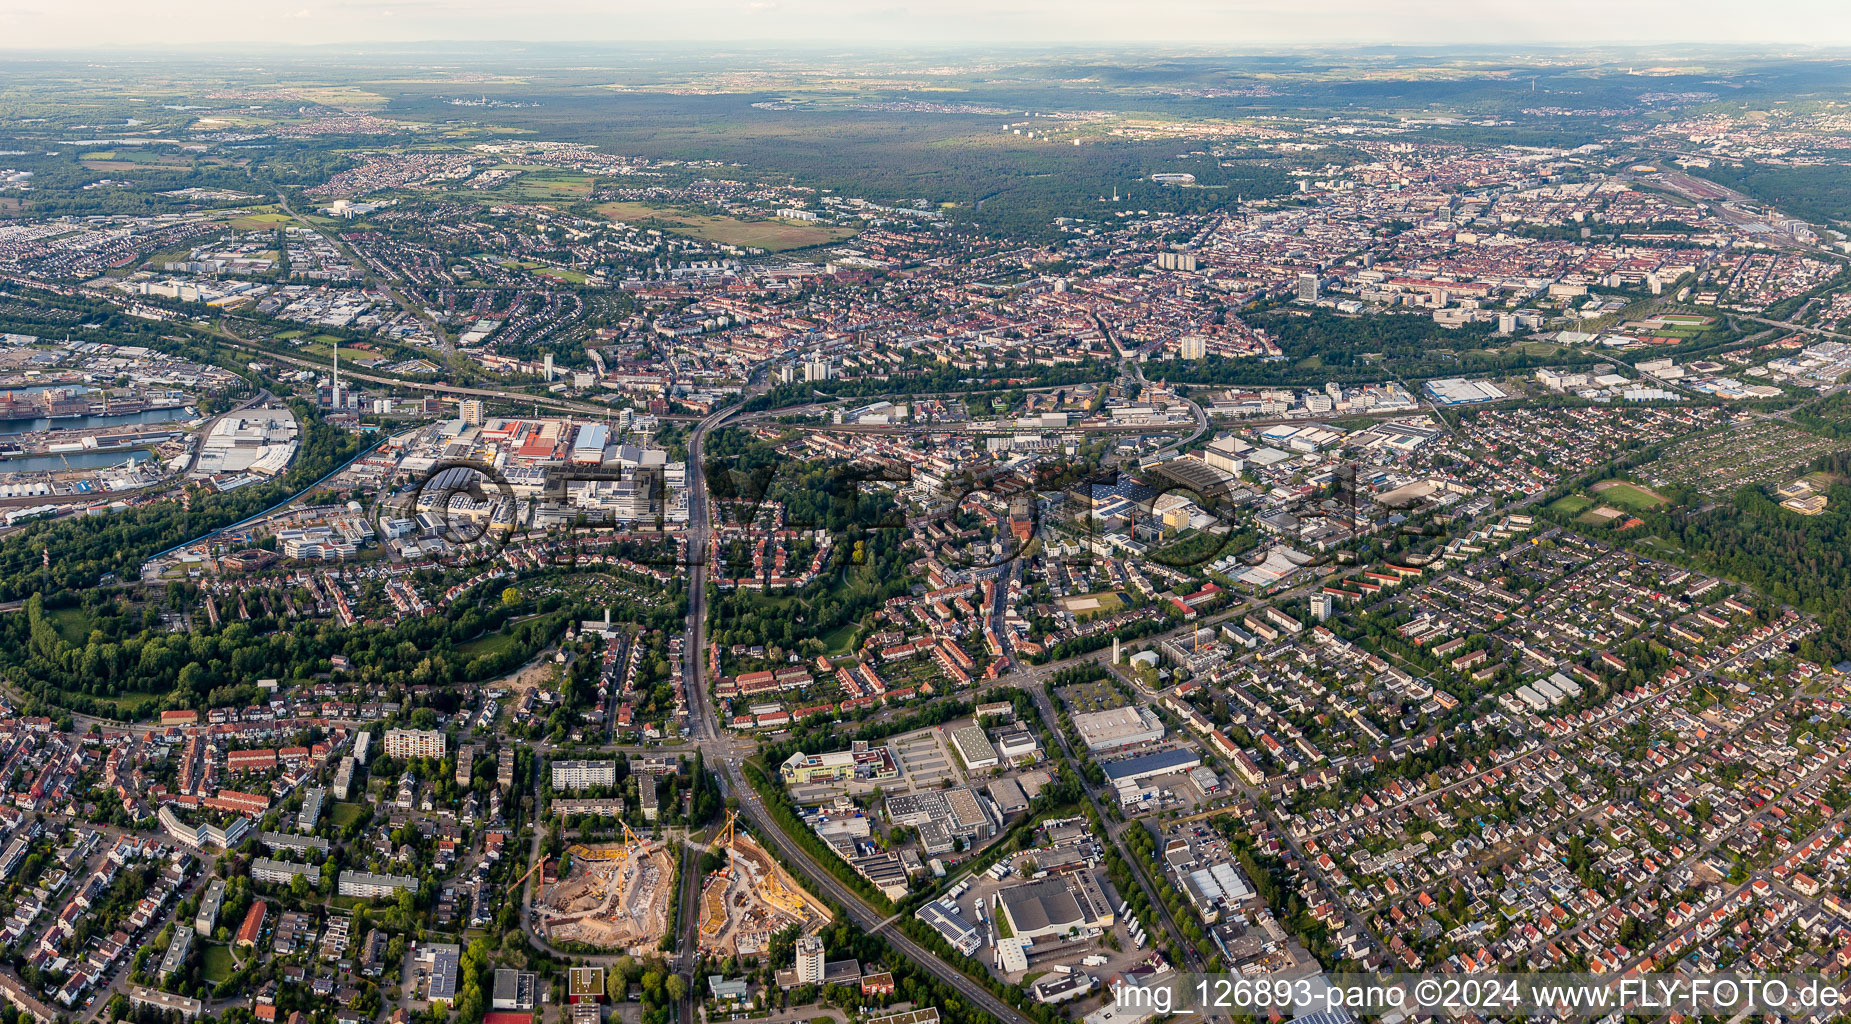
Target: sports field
x,y
1629,495
1572,504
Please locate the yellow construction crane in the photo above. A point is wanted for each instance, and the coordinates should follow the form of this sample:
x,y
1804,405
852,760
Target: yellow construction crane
x,y
728,834
779,895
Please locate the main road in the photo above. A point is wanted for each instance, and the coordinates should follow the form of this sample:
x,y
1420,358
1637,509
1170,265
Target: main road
x,y
722,755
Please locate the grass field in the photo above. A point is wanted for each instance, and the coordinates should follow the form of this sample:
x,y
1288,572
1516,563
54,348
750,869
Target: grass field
x,y
488,643
535,185
1572,504
837,642
72,624
219,964
323,350
258,221
1628,495
771,235
344,815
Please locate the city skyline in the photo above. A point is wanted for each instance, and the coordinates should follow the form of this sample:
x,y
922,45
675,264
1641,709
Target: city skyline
x,y
111,24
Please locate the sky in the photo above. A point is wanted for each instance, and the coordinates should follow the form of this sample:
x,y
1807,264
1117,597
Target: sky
x,y
1233,24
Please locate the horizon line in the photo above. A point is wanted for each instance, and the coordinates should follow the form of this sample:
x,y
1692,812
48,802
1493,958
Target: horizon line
x,y
788,46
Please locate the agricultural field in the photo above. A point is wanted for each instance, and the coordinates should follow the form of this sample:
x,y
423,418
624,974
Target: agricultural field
x,y
256,221
347,97
536,185
770,235
130,160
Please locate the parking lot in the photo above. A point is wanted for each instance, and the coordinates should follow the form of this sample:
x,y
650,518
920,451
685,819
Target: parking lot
x,y
1084,697
925,759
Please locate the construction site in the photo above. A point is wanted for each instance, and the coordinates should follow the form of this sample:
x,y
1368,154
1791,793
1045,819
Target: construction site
x,y
612,896
751,899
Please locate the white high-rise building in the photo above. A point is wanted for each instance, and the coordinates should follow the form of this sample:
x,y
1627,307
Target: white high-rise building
x,y
1307,287
414,742
584,774
810,960
1194,346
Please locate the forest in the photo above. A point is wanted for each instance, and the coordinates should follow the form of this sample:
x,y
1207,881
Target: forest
x,y
1010,185
128,653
